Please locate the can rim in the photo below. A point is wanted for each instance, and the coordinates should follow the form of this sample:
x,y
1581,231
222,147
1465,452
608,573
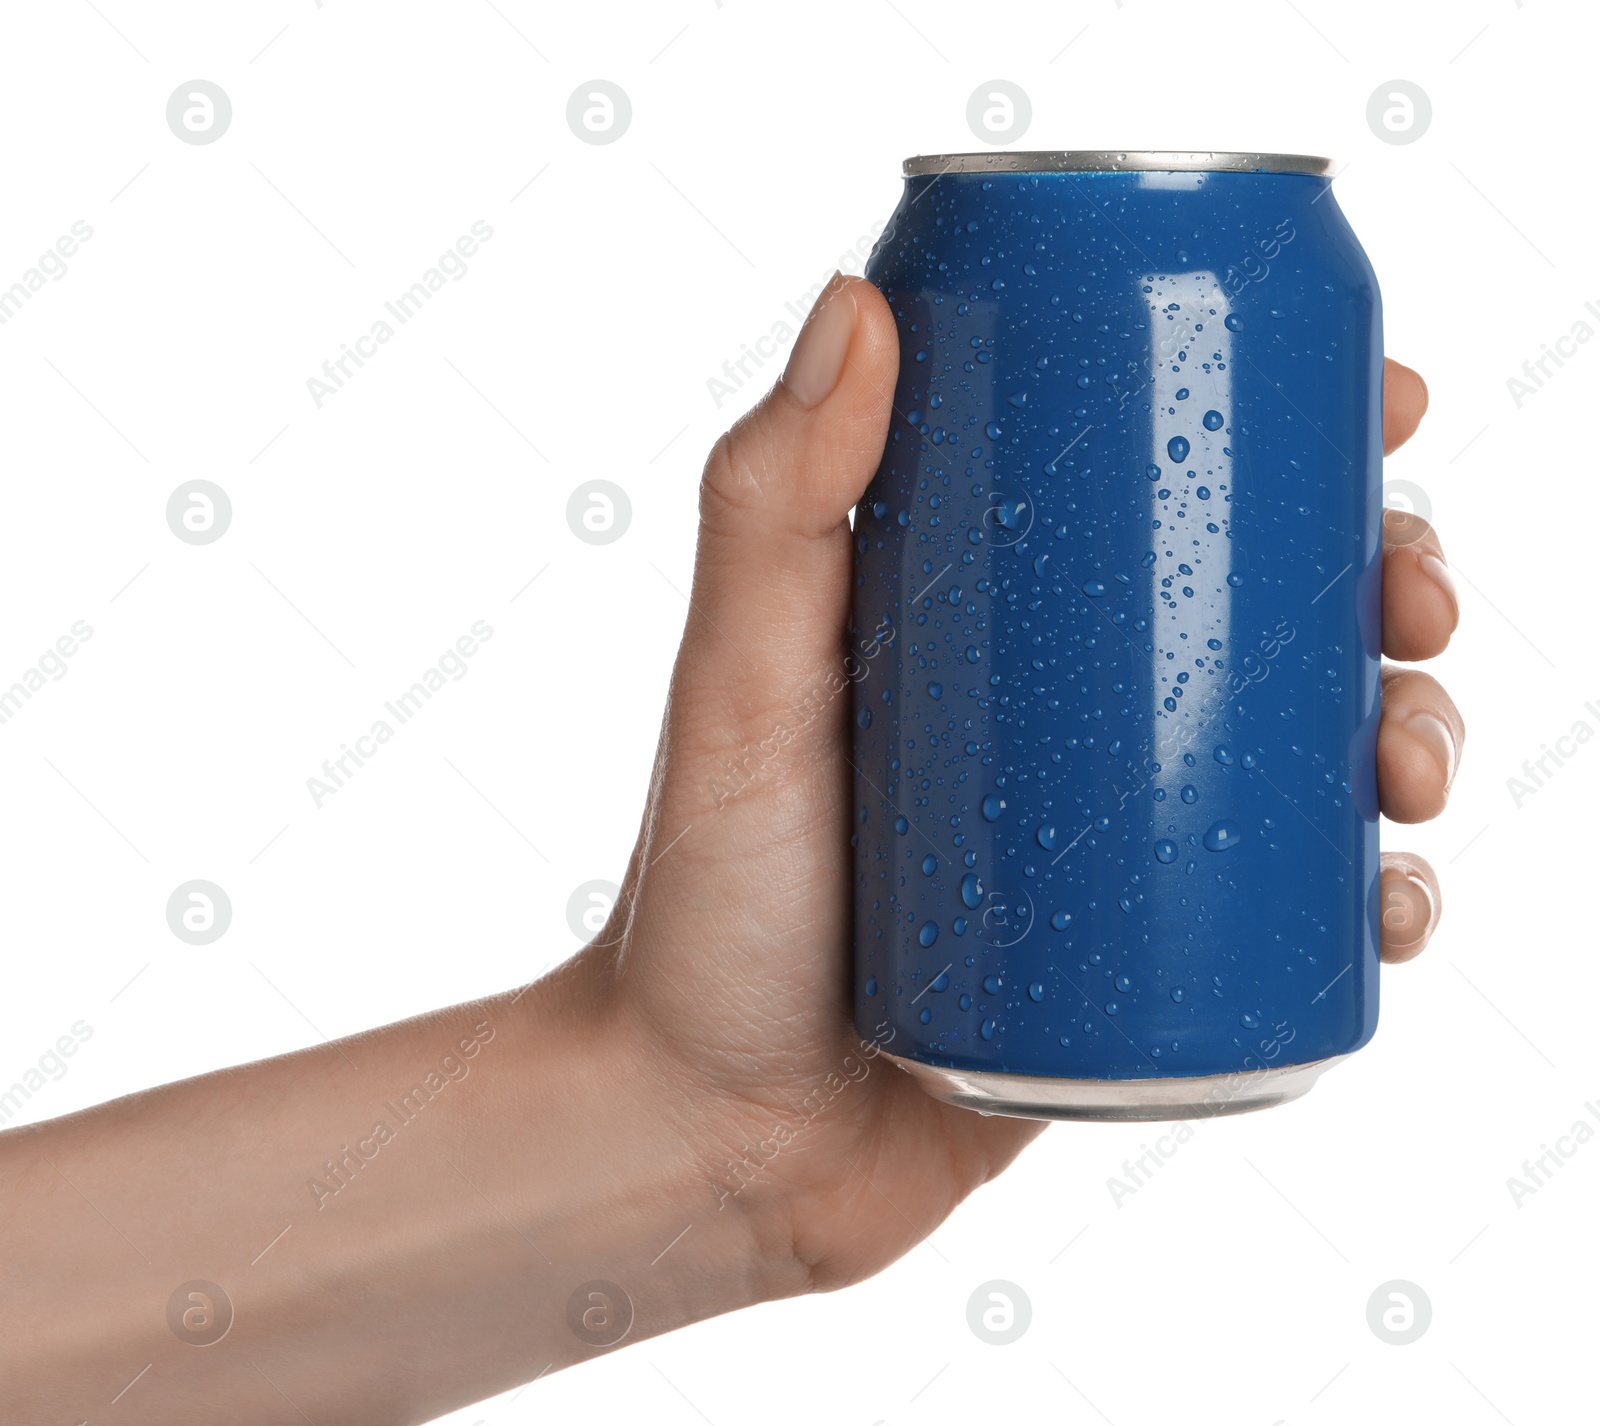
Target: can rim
x,y
1114,161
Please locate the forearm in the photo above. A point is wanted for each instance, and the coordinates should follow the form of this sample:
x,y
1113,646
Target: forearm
x,y
393,1245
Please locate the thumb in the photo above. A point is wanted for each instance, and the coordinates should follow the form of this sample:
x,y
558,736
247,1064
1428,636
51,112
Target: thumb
x,y
772,572
787,473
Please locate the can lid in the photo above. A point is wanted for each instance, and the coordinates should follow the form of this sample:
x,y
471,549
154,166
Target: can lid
x,y
1111,161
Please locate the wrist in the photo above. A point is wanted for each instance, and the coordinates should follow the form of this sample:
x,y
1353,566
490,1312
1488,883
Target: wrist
x,y
628,1177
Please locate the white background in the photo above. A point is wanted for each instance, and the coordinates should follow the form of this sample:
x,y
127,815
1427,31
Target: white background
x,y
370,534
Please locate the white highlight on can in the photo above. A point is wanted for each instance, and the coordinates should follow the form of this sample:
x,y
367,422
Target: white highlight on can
x,y
1191,398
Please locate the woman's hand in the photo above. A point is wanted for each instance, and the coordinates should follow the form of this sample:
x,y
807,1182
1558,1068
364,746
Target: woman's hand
x,y
678,1122
728,956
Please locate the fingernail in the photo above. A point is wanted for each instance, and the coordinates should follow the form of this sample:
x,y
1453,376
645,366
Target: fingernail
x,y
1407,911
818,356
1435,734
1439,572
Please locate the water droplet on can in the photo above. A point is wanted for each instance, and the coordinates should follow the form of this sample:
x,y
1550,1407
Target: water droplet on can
x,y
1223,836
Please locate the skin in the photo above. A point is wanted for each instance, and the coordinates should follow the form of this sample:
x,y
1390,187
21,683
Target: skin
x,y
603,1124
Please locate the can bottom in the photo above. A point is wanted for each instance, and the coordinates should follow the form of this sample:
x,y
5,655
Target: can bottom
x,y
1030,1096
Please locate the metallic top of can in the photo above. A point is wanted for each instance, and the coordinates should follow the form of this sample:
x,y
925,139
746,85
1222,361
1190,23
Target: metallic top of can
x,y
1108,161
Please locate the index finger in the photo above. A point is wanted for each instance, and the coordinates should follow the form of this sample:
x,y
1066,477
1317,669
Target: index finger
x,y
1405,400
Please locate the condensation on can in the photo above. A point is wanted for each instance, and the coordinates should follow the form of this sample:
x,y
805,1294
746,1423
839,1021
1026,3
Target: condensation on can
x,y
1115,813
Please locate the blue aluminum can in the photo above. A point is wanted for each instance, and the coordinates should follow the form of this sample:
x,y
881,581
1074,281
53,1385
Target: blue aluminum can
x,y
1116,843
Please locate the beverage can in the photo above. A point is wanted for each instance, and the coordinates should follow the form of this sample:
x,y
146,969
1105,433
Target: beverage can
x,y
1115,814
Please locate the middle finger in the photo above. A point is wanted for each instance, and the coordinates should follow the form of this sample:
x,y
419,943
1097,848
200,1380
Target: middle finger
x,y
1420,607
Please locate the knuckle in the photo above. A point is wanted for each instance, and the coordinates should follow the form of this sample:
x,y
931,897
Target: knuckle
x,y
736,472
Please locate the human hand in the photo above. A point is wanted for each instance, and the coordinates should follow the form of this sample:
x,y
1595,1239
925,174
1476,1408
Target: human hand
x,y
726,963
691,1072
